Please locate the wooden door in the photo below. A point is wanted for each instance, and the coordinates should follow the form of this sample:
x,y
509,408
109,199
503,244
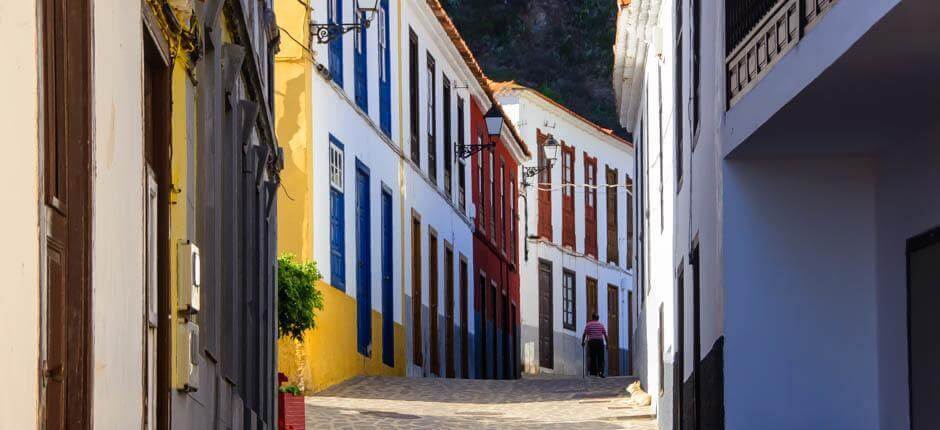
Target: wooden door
x,y
363,260
591,298
546,317
613,246
696,339
151,314
416,345
433,288
494,336
481,365
388,312
544,193
567,196
590,205
66,92
449,312
630,349
505,326
464,320
613,330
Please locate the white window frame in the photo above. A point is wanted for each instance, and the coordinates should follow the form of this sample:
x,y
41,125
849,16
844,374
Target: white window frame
x,y
337,167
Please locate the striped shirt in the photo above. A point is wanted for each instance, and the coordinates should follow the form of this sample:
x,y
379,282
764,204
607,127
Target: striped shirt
x,y
594,330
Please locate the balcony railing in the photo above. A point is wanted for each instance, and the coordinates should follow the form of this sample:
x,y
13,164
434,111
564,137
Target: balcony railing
x,y
759,33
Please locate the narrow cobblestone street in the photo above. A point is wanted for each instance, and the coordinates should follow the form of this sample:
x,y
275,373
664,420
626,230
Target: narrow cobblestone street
x,y
539,403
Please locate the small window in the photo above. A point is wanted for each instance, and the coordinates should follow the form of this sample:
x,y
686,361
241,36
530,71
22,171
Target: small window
x,y
568,300
336,167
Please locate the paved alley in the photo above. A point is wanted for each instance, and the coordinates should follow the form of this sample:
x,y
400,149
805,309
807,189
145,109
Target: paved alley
x,y
540,403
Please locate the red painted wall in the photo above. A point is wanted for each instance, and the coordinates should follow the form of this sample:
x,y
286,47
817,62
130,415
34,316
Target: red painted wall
x,y
496,239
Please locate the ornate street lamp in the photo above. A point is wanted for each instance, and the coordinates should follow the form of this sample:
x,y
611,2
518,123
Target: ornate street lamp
x,y
494,127
330,30
550,154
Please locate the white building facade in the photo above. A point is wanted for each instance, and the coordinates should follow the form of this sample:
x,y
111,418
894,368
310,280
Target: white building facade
x,y
799,193
578,249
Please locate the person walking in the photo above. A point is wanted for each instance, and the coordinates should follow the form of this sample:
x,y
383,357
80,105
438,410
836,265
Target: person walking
x,y
596,337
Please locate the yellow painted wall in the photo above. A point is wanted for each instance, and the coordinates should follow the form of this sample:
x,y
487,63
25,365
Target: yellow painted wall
x,y
330,350
292,112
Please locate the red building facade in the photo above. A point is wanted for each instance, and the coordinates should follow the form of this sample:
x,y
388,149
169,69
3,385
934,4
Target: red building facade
x,y
495,194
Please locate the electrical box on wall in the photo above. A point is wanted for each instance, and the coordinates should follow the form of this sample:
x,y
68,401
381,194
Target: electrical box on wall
x,y
186,350
188,269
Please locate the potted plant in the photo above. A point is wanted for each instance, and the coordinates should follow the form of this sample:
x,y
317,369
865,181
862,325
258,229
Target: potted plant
x,y
298,302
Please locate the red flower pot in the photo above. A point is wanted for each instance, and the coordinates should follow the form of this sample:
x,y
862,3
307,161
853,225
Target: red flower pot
x,y
291,414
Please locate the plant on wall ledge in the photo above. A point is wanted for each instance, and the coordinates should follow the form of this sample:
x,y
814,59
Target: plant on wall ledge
x,y
298,298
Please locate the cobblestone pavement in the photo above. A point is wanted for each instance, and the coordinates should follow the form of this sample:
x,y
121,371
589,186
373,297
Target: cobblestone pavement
x,y
417,403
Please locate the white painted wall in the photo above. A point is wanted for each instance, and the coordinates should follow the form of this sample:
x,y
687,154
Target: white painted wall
x,y
335,112
437,211
531,113
19,256
118,229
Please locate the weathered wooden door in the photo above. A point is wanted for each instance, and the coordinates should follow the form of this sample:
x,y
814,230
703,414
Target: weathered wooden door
x,y
417,356
546,317
449,312
66,92
433,288
363,260
613,330
591,297
464,320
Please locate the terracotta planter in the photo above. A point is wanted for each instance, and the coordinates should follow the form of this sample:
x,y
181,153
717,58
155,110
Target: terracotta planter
x,y
290,410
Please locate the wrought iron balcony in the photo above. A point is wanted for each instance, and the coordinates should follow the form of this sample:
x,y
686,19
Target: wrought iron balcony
x,y
760,32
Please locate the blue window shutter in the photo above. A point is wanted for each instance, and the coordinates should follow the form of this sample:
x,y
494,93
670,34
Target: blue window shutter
x,y
337,241
361,50
335,16
385,88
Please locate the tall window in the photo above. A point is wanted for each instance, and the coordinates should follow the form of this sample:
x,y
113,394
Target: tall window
x,y
567,196
544,186
413,96
590,205
502,202
481,203
613,250
448,143
568,300
629,186
334,14
360,64
679,104
337,216
492,196
432,120
461,163
513,218
385,69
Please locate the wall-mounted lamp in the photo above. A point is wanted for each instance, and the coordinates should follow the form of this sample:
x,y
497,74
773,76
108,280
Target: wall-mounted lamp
x,y
494,127
331,30
550,153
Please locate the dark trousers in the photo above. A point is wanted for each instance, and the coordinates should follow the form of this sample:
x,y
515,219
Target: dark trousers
x,y
595,356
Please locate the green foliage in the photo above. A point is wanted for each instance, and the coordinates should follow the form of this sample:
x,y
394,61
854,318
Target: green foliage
x,y
298,298
290,389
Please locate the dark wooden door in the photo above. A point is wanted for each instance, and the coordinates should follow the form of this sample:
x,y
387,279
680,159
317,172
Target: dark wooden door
x,y
417,356
613,246
613,330
591,297
433,288
696,340
66,93
464,321
363,260
630,350
567,196
482,367
449,312
544,187
388,312
546,317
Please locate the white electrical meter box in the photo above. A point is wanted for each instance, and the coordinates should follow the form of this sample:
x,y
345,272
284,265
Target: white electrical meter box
x,y
189,278
187,357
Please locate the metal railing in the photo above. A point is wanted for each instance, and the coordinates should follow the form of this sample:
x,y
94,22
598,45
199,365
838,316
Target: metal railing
x,y
760,32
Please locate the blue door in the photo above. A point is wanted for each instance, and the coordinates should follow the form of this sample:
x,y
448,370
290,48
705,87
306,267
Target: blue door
x,y
337,217
360,65
388,313
363,260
